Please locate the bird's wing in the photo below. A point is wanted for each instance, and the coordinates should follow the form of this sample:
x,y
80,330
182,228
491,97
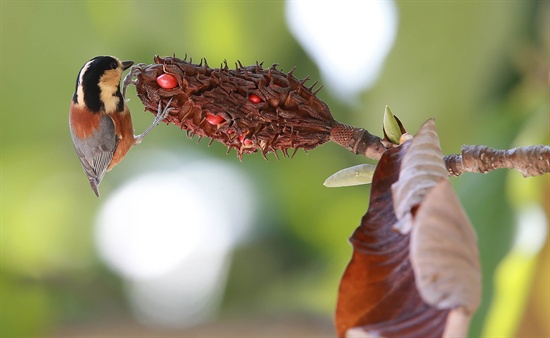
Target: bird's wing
x,y
96,151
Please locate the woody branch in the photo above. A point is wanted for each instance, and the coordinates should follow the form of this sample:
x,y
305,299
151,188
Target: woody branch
x,y
529,160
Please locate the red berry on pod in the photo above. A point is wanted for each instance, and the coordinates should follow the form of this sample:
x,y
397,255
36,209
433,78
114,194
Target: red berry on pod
x,y
214,119
167,81
254,98
245,141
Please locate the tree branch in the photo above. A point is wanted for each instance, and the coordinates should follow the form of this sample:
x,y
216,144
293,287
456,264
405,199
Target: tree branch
x,y
529,161
358,140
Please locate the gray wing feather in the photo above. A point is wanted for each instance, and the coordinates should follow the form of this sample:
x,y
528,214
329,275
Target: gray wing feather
x,y
96,151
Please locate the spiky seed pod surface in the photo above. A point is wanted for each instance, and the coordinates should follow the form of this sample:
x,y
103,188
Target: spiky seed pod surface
x,y
246,108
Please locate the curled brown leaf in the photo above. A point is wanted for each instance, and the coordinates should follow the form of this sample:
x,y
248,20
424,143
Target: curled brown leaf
x,y
405,283
444,253
421,169
378,294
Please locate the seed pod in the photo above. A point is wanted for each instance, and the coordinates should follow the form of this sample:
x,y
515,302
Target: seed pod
x,y
275,110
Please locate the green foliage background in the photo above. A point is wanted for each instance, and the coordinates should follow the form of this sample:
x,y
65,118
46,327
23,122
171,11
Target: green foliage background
x,y
480,68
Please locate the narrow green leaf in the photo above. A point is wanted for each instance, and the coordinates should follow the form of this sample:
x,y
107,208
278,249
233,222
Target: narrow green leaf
x,y
356,175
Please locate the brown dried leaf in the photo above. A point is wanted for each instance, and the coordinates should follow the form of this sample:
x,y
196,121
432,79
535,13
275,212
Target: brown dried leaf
x,y
378,293
458,323
443,244
444,252
422,168
405,284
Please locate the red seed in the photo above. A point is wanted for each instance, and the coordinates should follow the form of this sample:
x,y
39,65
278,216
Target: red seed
x,y
167,81
245,141
254,98
214,119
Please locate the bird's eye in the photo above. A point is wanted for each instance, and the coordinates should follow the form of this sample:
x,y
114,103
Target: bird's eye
x,y
114,64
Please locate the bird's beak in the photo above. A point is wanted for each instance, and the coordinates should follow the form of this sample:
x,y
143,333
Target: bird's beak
x,y
126,64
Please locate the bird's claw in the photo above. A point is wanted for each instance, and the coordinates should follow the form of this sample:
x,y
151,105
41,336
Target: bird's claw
x,y
129,78
161,115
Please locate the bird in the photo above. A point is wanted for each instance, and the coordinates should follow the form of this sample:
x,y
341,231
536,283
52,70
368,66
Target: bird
x,y
99,119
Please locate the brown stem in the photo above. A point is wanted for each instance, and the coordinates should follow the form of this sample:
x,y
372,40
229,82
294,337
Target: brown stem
x,y
357,140
530,160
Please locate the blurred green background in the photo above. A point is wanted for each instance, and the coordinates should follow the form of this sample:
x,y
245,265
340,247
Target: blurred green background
x,y
480,68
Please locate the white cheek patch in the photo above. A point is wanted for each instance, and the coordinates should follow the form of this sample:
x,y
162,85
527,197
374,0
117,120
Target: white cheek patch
x,y
80,96
79,89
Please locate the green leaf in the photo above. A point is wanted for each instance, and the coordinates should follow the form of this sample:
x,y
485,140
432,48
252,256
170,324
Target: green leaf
x,y
391,127
356,175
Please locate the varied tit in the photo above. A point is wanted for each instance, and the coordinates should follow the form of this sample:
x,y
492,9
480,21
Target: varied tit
x,y
99,119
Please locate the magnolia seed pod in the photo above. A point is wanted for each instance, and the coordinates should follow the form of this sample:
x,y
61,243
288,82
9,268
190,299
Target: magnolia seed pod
x,y
249,108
